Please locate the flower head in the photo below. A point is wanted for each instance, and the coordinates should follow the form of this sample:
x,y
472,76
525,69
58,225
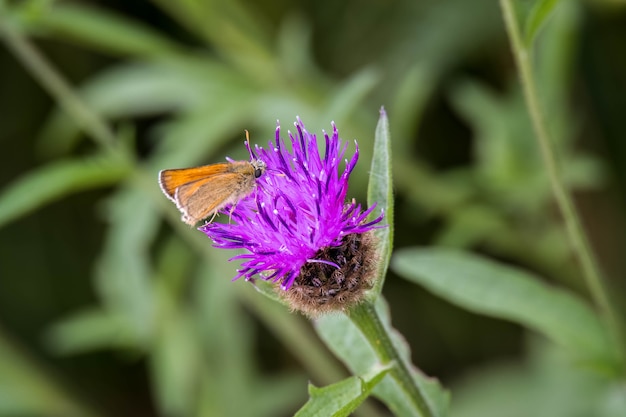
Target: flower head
x,y
297,223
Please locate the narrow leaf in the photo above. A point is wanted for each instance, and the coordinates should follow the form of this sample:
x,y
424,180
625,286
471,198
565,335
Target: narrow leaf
x,y
28,389
56,180
496,290
349,345
268,289
124,270
97,28
380,192
536,18
89,330
350,94
176,363
342,398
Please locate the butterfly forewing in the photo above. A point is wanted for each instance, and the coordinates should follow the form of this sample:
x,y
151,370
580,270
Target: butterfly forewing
x,y
171,179
203,191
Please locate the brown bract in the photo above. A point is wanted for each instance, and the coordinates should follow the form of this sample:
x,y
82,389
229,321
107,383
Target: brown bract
x,y
321,288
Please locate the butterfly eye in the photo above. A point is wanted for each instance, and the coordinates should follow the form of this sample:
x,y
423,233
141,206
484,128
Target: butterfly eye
x,y
258,172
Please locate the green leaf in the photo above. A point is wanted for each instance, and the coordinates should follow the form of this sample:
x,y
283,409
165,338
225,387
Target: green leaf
x,y
89,330
124,269
380,192
486,287
27,389
414,92
193,88
342,398
350,94
97,28
536,18
176,362
348,343
545,376
268,289
229,355
56,180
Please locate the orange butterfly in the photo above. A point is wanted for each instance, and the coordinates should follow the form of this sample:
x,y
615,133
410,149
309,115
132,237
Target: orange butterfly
x,y
200,192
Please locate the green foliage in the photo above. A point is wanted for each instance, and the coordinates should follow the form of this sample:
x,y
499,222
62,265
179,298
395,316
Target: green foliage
x,y
485,287
341,398
96,28
547,377
537,16
56,180
27,389
380,192
186,78
351,346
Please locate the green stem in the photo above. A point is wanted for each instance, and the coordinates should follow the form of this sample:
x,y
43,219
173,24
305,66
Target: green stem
x,y
573,226
365,317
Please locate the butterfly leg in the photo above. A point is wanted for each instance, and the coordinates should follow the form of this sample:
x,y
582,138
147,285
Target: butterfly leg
x,y
213,217
230,214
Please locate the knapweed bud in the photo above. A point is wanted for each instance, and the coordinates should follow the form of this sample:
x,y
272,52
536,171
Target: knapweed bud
x,y
297,228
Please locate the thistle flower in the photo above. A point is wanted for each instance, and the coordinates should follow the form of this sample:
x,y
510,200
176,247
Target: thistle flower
x,y
297,228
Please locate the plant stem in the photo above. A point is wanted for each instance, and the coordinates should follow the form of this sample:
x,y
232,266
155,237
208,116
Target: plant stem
x,y
365,317
576,235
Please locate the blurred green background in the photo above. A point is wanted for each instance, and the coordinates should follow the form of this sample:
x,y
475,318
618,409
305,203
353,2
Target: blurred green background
x,y
110,306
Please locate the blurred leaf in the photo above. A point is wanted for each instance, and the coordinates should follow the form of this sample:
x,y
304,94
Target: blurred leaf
x,y
56,180
380,193
342,398
193,138
347,342
556,54
585,172
473,224
97,28
293,331
485,287
236,32
89,330
229,343
138,89
176,358
414,91
509,165
440,34
508,176
545,377
537,16
350,94
277,395
436,194
27,389
174,264
295,52
123,270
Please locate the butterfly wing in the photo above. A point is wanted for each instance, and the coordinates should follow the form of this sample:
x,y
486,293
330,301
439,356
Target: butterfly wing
x,y
201,198
201,191
172,179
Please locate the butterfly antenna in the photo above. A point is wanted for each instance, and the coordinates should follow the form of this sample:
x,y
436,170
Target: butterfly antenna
x,y
252,155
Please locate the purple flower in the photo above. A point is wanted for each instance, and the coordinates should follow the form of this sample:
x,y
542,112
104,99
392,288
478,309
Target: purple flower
x,y
297,213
